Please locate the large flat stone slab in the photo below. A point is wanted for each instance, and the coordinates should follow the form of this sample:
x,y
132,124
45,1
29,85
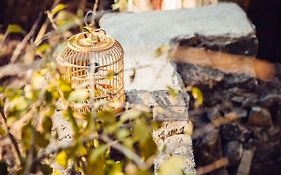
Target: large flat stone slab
x,y
222,26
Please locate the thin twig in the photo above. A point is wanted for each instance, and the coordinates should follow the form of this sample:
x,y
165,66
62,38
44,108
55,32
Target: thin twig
x,y
213,166
23,43
128,153
12,138
95,8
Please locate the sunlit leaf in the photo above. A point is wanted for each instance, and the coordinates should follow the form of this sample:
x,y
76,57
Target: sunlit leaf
x,y
37,80
115,6
198,96
47,124
66,20
106,116
173,92
14,28
43,48
172,166
28,92
2,131
110,75
163,49
41,140
18,104
82,151
115,168
78,95
57,9
65,87
130,115
27,135
122,133
149,148
140,131
61,159
96,153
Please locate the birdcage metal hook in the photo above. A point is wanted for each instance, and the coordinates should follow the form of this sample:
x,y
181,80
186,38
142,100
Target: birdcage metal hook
x,y
90,16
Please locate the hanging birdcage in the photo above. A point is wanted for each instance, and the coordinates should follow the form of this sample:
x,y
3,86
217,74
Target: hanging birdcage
x,y
94,61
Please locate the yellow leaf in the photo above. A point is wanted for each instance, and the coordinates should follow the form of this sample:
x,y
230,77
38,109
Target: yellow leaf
x,y
82,151
57,9
97,153
37,80
173,92
198,96
18,104
78,95
2,131
56,172
172,166
110,75
163,49
42,48
130,115
14,28
61,159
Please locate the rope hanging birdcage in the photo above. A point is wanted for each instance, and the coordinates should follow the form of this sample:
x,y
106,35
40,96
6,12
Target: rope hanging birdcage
x,y
94,61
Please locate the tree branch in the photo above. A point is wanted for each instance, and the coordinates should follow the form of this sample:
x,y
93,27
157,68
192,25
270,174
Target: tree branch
x,y
12,138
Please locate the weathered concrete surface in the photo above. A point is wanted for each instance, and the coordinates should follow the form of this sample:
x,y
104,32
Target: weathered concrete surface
x,y
222,26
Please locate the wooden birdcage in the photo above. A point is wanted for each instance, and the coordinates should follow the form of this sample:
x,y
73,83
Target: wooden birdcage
x,y
94,61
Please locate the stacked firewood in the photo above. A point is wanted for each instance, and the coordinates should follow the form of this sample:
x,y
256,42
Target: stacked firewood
x,y
237,129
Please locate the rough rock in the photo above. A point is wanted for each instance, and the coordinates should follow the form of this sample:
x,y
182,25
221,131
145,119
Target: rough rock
x,y
164,106
176,145
142,33
260,117
233,151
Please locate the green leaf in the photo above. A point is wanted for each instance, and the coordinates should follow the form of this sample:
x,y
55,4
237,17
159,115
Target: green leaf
x,y
172,166
18,104
57,9
46,169
163,49
43,48
107,116
14,28
61,159
115,168
82,151
173,92
130,115
37,80
65,87
47,124
110,75
148,148
140,131
78,95
97,153
115,6
2,131
41,140
27,135
122,133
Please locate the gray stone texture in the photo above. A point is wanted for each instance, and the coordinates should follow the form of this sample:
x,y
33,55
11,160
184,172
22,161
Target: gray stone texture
x,y
222,27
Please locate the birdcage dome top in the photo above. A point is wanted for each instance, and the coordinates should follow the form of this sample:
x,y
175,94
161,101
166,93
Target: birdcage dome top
x,y
91,41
